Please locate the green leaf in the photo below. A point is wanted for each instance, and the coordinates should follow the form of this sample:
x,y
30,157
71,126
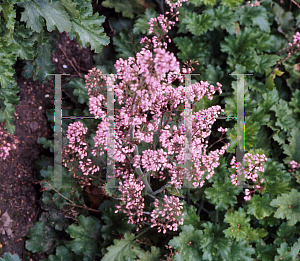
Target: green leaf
x,y
62,253
239,224
203,2
223,17
191,48
78,86
42,238
71,8
190,217
54,14
222,195
124,249
292,149
9,257
257,16
127,7
288,206
264,251
54,218
284,19
295,249
276,178
295,101
153,255
285,254
22,37
88,30
187,243
214,245
240,251
141,25
286,234
46,143
9,14
115,223
86,236
270,85
232,3
264,62
7,59
256,234
270,98
260,206
198,24
283,115
41,65
126,44
243,43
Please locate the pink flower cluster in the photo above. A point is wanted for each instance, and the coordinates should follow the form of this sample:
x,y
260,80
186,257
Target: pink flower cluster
x,y
76,134
256,3
145,86
175,4
295,165
296,40
95,106
132,199
257,166
166,215
5,147
161,21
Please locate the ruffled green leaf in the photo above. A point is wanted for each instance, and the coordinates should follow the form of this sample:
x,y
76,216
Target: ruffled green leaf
x,y
232,3
41,65
222,195
42,238
126,44
53,12
123,249
285,233
214,245
293,148
284,117
88,30
288,206
195,48
86,236
198,24
223,18
239,224
9,257
153,255
264,62
128,7
63,253
240,251
257,16
141,25
187,243
260,206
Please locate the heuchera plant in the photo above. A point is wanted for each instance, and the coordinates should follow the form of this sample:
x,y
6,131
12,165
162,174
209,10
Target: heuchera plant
x,y
143,86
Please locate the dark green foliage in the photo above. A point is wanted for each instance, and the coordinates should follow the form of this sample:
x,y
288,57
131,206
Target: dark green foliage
x,y
219,224
31,42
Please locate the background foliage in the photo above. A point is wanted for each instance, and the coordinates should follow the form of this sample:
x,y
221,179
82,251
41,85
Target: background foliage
x,y
225,37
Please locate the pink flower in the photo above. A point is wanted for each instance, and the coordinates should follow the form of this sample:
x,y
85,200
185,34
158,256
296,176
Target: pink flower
x,y
165,216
